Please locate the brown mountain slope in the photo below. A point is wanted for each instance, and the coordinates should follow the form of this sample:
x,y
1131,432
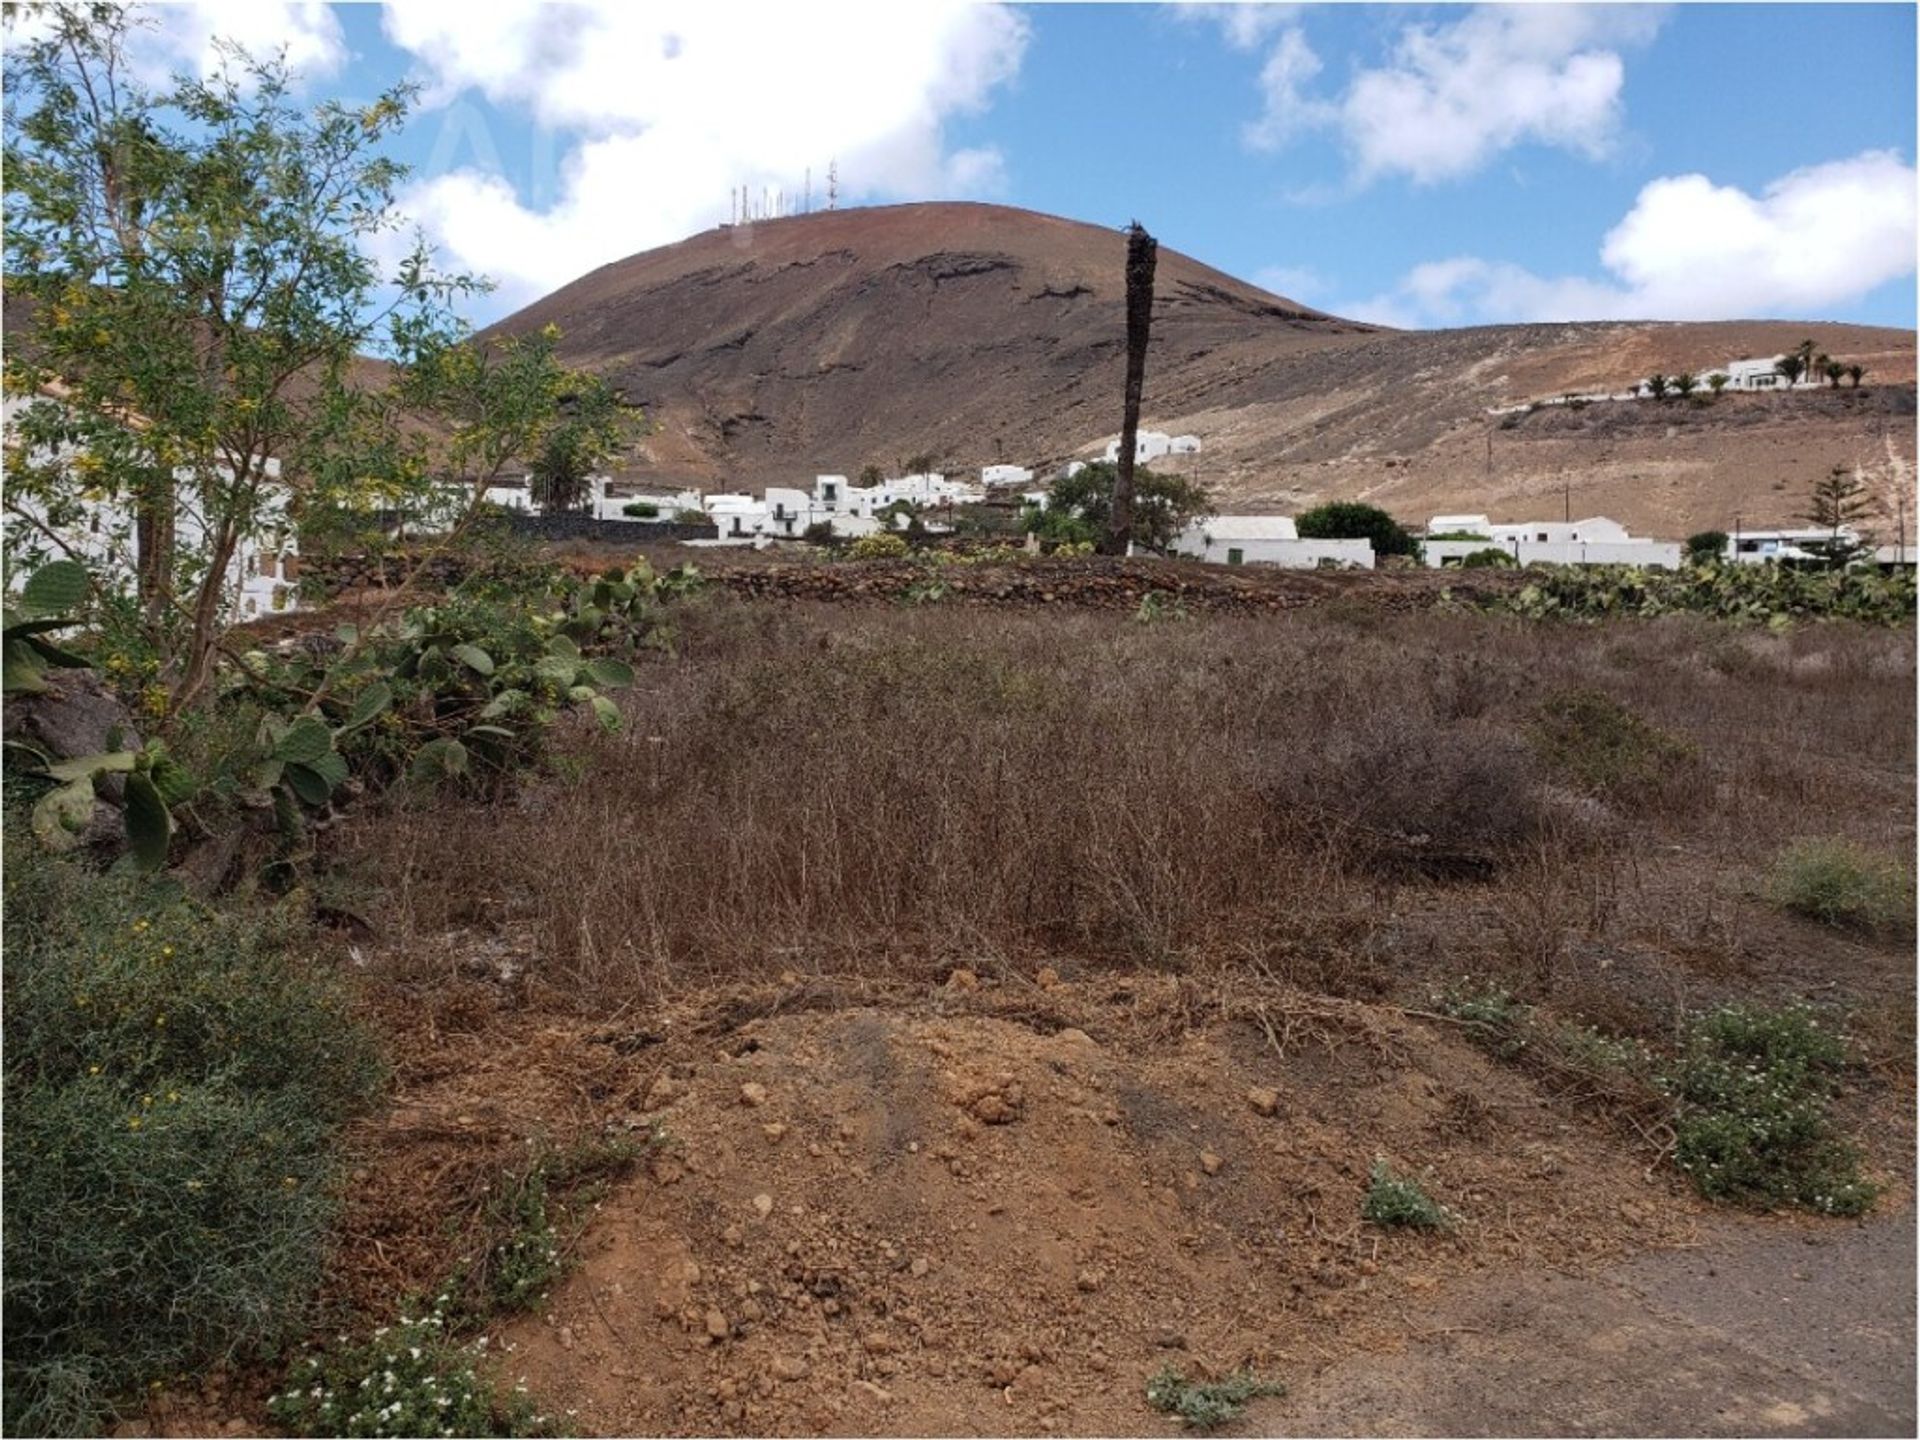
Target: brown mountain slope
x,y
838,338
978,333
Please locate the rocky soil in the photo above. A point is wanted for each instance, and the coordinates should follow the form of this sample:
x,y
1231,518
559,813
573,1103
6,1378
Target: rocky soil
x,y
985,1202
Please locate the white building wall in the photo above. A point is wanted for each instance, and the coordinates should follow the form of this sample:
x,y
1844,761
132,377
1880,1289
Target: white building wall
x,y
1648,554
609,506
1147,445
261,578
994,475
1266,540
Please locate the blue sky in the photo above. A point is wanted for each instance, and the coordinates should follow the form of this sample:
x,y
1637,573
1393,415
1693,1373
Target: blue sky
x,y
1418,165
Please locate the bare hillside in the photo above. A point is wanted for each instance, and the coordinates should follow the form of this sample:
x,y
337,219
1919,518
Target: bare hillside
x,y
978,333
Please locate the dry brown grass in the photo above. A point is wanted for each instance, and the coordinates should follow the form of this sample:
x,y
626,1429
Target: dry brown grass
x,y
1346,802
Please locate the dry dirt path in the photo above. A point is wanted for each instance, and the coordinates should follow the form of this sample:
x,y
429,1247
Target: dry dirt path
x,y
1766,1328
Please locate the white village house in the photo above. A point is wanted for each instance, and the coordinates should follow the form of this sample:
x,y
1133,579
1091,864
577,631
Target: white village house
x,y
262,578
1774,547
848,510
1266,540
1755,374
627,500
1152,444
1592,541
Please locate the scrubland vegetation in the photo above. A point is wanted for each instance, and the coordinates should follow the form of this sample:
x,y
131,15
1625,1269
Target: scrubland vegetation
x,y
1620,850
847,789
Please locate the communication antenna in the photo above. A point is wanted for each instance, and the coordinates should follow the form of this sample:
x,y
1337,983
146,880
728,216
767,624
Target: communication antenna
x,y
833,185
806,204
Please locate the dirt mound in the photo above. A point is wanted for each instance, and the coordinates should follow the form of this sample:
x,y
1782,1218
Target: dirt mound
x,y
984,1205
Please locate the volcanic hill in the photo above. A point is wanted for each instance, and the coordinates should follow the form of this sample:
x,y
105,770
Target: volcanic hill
x,y
977,334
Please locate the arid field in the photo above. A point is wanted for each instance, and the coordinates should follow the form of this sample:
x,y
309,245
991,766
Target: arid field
x,y
1015,1001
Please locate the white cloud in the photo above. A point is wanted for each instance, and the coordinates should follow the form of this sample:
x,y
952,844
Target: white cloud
x,y
167,39
1693,250
672,105
1295,282
1452,96
1245,26
1291,66
182,36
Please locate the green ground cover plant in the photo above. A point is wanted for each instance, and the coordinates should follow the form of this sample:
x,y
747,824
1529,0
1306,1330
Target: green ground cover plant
x,y
1841,884
1204,1404
1752,1125
175,1078
1394,1200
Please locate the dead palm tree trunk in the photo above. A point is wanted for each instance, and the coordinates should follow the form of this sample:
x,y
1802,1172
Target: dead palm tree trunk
x,y
1142,253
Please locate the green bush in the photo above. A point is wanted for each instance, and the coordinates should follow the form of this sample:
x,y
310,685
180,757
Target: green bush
x,y
1491,558
1202,1404
1351,520
1751,1123
640,510
1604,747
1394,1200
1841,884
1079,506
174,1079
881,545
1707,547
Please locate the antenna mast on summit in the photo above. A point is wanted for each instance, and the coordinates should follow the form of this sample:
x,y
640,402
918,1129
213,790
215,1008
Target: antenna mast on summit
x,y
833,185
806,203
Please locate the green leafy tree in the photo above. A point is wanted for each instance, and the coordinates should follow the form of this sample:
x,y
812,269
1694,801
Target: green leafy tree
x,y
195,265
1717,381
1351,520
1706,547
1833,370
1079,506
565,463
1658,385
1856,373
1685,383
1790,367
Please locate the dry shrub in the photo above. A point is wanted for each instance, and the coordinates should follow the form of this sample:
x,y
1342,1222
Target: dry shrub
x,y
1407,792
807,787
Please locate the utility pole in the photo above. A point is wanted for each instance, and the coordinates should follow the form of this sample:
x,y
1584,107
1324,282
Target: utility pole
x,y
1142,255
